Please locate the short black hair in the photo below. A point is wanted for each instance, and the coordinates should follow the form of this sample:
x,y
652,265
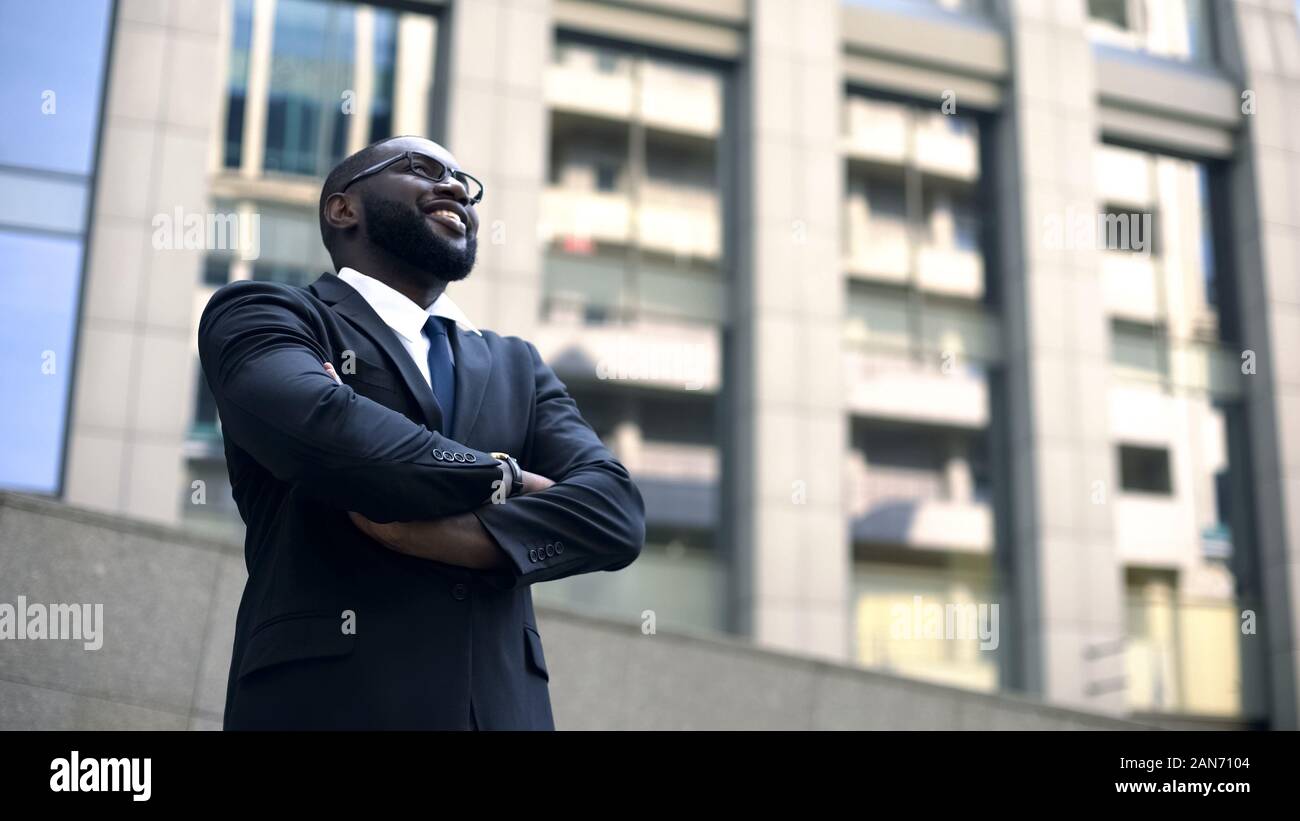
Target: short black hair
x,y
347,168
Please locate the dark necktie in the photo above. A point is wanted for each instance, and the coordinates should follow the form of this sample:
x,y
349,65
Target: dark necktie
x,y
441,372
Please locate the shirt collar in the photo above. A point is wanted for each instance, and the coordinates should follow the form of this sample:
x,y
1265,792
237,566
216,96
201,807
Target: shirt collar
x,y
400,313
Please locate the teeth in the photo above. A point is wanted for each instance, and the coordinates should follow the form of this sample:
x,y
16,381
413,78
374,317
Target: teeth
x,y
452,215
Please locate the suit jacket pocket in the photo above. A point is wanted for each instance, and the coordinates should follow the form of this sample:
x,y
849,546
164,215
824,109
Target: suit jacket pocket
x,y
294,637
533,651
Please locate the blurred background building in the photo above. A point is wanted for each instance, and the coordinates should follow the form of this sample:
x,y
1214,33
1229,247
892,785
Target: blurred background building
x,y
839,282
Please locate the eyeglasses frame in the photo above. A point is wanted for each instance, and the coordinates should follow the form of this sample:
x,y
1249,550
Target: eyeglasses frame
x,y
407,155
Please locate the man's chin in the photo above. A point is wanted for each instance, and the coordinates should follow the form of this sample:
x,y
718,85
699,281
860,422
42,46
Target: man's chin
x,y
457,275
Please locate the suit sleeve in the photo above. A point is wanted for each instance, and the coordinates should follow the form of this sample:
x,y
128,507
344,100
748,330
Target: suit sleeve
x,y
261,350
592,519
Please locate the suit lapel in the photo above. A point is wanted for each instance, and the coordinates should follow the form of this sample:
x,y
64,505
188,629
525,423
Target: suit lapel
x,y
349,303
473,366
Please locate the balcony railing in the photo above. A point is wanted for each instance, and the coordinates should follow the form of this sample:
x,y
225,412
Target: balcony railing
x,y
674,221
915,507
886,385
1179,365
673,99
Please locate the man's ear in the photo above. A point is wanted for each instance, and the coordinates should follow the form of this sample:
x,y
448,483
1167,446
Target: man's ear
x,y
340,211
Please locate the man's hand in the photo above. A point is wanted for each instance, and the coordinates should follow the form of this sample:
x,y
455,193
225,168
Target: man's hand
x,y
456,540
534,482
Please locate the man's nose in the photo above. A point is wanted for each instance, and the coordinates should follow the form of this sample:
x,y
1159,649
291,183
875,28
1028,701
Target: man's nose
x,y
452,189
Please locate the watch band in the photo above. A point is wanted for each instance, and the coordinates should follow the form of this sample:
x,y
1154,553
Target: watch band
x,y
516,473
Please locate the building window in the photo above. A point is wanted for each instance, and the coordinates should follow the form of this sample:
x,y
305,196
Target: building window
x,y
216,270
1123,229
912,211
606,62
205,410
606,177
668,442
1161,272
284,274
633,211
1114,12
327,64
237,85
385,68
1145,470
1178,29
52,57
1139,351
311,70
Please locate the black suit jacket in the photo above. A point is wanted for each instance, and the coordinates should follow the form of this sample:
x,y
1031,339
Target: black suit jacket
x,y
429,639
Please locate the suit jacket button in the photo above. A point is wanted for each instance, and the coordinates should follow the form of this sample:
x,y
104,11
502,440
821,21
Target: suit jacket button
x,y
459,457
437,454
459,592
550,550
469,457
532,554
559,547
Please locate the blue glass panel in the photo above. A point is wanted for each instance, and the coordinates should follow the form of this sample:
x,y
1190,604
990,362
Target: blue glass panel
x,y
51,67
39,283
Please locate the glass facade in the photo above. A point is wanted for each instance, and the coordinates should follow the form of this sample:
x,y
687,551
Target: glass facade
x,y
52,62
633,212
1174,29
241,41
922,334
635,278
1176,416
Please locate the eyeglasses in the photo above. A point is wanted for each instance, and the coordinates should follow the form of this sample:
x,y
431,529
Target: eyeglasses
x,y
422,165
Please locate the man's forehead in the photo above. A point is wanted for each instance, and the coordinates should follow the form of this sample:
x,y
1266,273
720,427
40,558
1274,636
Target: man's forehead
x,y
421,145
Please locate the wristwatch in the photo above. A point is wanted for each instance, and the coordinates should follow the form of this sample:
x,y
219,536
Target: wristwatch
x,y
516,475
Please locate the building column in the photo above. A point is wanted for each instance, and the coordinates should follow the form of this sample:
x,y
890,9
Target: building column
x,y
786,453
135,378
497,54
1065,581
1259,42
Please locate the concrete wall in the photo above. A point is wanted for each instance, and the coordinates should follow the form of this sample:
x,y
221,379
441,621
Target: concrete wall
x,y
169,608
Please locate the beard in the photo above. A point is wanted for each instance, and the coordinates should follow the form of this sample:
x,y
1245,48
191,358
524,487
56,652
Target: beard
x,y
405,233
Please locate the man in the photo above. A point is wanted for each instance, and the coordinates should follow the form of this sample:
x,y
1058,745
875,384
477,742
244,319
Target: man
x,y
404,476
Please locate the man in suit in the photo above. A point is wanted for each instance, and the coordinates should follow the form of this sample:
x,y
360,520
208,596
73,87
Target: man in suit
x,y
404,476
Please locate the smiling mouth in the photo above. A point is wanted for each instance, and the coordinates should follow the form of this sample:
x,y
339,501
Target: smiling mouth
x,y
450,219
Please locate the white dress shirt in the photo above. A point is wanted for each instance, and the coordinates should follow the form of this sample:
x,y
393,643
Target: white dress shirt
x,y
406,318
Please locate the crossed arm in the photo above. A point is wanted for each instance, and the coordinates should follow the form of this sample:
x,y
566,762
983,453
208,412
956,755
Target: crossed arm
x,y
459,539
261,352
